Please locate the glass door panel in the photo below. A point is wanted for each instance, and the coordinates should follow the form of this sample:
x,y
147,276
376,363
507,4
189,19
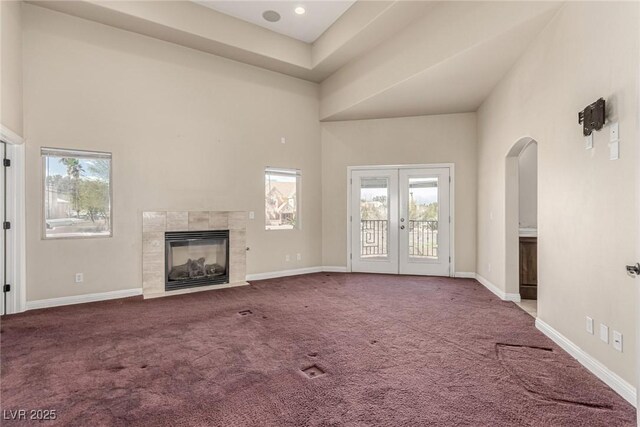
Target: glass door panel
x,y
423,217
424,221
374,219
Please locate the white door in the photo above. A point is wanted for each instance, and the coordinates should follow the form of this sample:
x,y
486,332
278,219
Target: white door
x,y
424,221
3,232
374,221
400,221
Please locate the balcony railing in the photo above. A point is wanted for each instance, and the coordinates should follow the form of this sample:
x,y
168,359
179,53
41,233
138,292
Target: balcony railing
x,y
423,238
373,237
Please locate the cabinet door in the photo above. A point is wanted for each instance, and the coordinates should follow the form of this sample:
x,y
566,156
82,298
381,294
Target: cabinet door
x,y
528,267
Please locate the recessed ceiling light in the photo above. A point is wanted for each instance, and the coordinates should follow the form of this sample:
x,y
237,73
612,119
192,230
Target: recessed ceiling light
x,y
271,15
300,10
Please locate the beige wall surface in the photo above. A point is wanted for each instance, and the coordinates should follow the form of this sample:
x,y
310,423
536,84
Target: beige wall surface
x,y
188,131
528,186
587,215
411,140
11,65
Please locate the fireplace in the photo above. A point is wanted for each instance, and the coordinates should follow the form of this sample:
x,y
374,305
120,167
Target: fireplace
x,y
196,258
171,238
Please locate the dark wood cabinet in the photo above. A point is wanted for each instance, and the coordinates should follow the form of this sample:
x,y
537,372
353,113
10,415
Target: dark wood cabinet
x,y
529,267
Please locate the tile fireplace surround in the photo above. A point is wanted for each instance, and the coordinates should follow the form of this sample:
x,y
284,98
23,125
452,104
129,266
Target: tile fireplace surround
x,y
155,224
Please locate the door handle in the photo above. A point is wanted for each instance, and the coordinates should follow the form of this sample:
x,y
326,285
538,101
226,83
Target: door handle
x,y
402,227
633,270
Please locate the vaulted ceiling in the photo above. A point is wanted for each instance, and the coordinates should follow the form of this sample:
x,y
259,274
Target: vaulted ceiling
x,y
373,59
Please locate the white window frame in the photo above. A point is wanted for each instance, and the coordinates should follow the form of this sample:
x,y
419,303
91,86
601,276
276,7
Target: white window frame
x,y
80,154
288,172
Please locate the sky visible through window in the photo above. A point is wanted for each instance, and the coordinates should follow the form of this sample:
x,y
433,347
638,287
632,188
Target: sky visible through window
x,y
421,195
91,169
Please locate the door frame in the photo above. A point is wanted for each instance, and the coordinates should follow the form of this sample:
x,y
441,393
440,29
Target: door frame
x,y
17,298
452,227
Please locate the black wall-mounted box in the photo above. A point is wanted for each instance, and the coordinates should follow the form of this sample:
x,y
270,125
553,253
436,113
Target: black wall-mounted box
x,y
592,117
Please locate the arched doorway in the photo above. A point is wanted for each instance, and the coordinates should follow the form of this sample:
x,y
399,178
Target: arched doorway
x,y
521,222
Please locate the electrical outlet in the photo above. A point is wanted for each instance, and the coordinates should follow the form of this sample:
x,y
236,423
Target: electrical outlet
x,y
590,325
489,267
604,333
79,277
252,215
617,341
299,257
287,257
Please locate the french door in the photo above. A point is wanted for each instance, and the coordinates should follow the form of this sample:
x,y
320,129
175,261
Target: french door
x,y
400,221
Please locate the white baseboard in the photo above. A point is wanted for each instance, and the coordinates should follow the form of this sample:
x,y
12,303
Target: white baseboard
x,y
283,273
620,386
334,269
79,299
499,292
464,275
295,272
125,293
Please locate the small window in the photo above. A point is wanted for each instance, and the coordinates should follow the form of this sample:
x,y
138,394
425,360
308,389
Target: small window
x,y
282,198
77,193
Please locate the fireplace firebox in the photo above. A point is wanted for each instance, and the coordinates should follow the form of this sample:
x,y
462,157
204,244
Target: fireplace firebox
x,y
196,258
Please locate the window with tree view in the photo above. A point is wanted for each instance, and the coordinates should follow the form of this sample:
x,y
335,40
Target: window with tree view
x,y
282,198
77,193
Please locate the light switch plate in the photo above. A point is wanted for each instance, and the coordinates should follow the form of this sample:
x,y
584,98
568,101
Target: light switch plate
x,y
590,325
614,132
604,333
617,341
614,141
252,215
588,142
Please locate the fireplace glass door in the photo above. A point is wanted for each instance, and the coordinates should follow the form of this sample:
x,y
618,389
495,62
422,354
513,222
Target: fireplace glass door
x,y
196,258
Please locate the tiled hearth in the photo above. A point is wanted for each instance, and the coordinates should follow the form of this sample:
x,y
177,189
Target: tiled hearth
x,y
154,226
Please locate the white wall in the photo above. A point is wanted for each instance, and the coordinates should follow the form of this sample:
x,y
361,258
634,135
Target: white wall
x,y
587,214
188,131
528,186
11,65
411,140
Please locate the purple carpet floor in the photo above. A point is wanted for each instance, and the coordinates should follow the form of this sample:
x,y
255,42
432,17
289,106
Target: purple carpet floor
x,y
315,350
